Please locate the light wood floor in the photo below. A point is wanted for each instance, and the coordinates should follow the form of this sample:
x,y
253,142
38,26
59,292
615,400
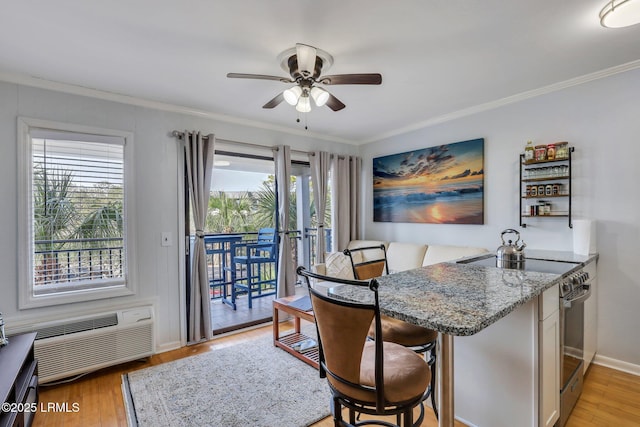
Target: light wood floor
x,y
610,398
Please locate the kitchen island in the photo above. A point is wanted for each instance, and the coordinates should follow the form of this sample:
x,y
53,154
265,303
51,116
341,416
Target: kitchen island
x,y
495,315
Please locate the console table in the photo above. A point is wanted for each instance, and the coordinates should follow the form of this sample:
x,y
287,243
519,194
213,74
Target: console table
x,y
18,381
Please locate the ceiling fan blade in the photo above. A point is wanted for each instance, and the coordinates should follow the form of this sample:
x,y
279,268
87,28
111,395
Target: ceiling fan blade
x,y
259,77
352,79
275,101
306,56
334,103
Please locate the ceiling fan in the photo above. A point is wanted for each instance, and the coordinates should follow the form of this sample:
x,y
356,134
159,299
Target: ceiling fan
x,y
305,64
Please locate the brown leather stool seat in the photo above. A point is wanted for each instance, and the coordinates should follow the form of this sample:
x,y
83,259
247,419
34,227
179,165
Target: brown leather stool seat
x,y
403,333
406,375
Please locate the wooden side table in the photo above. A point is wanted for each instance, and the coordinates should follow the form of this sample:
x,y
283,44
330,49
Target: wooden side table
x,y
286,342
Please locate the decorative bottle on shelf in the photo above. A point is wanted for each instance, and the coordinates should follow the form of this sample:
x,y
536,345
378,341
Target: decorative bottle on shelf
x,y
528,152
551,151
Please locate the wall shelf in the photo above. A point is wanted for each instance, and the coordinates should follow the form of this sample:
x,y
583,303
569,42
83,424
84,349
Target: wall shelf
x,y
546,197
545,179
529,167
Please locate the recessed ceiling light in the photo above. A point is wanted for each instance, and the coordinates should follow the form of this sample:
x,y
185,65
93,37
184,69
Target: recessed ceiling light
x,y
221,163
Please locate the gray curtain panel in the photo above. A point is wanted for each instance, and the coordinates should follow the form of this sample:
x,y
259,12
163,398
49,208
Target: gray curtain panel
x,y
286,269
345,193
320,163
199,164
355,196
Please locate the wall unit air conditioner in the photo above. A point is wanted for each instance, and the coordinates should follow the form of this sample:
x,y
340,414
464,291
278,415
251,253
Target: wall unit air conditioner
x,y
83,344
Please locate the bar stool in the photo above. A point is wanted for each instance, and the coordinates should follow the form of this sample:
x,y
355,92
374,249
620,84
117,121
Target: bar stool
x,y
419,339
372,377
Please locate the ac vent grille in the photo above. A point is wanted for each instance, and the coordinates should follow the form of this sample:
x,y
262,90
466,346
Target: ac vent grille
x,y
82,353
79,326
85,344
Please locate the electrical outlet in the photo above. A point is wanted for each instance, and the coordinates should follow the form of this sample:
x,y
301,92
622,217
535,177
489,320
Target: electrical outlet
x,y
167,240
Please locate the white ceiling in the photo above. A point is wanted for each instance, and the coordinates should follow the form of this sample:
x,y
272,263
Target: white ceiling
x,y
437,58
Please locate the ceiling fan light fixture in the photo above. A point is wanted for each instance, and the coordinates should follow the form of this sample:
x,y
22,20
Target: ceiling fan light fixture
x,y
620,13
283,58
319,95
306,57
292,95
303,105
306,66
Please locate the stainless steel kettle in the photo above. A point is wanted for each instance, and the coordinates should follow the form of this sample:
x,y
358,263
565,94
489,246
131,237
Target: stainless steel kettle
x,y
511,254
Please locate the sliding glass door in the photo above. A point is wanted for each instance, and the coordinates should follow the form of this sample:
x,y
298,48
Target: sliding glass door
x,y
306,216
241,252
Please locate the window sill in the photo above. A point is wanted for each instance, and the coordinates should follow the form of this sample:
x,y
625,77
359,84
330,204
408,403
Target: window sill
x,y
30,301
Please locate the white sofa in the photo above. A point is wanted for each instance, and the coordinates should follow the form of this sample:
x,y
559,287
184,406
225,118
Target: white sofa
x,y
400,257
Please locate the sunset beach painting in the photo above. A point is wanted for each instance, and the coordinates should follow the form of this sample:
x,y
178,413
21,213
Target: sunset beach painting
x,y
440,185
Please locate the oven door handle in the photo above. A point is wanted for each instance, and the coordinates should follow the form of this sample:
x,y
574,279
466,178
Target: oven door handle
x,y
583,297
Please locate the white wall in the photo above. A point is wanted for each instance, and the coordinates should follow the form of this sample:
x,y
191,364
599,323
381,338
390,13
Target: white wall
x,y
156,188
602,120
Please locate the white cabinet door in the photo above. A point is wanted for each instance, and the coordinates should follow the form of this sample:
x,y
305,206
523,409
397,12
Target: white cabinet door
x,y
549,359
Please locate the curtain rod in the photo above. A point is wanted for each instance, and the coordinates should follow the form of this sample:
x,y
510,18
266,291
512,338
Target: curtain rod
x,y
180,135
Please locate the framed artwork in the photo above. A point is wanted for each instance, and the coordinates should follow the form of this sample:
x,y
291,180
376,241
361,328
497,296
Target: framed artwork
x,y
438,185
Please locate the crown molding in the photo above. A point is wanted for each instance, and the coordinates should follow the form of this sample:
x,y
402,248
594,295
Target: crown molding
x,y
509,100
25,80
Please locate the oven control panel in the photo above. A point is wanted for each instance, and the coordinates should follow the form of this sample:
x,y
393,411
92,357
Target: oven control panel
x,y
579,277
574,282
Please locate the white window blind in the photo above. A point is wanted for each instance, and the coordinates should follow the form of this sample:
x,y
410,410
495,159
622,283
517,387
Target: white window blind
x,y
77,223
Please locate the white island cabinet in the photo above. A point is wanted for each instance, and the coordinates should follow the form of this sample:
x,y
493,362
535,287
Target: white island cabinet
x,y
549,354
509,373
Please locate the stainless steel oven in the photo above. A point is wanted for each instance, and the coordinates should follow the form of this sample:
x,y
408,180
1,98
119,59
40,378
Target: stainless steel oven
x,y
574,291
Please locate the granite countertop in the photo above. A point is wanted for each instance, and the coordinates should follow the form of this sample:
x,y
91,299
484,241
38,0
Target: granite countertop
x,y
454,299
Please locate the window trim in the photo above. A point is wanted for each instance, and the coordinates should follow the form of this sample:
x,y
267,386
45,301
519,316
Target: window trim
x,y
26,297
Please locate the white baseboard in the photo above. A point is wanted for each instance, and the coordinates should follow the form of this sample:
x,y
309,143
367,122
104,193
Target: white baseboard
x,y
618,365
168,347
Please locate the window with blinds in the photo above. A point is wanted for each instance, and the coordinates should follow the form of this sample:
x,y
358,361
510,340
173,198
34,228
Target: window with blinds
x,y
77,212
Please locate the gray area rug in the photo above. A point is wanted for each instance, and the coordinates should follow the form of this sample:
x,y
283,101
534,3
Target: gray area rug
x,y
248,384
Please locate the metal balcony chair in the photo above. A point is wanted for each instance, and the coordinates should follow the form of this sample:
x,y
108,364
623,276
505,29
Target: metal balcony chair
x,y
257,277
218,251
371,263
365,376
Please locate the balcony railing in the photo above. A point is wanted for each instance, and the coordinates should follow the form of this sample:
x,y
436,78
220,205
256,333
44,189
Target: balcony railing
x,y
222,247
75,260
312,235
